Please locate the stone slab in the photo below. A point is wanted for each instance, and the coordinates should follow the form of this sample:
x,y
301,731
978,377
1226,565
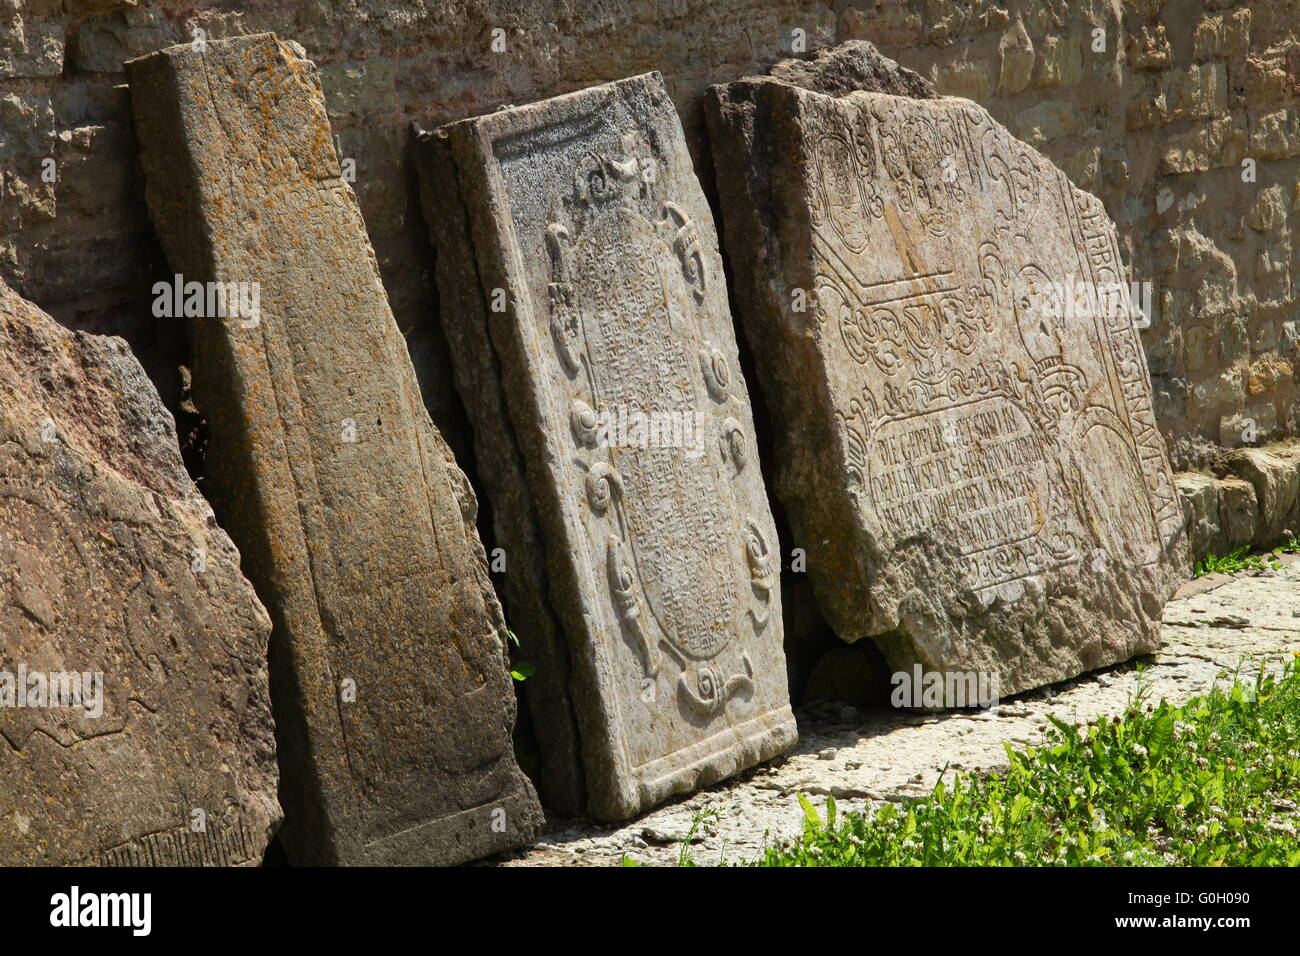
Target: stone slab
x,y
158,748
976,475
394,708
581,283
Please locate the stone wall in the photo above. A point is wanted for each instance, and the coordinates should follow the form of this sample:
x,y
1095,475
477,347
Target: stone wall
x,y
1252,500
1155,114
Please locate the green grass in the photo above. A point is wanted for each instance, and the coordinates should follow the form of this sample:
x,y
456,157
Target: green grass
x,y
1213,782
1242,560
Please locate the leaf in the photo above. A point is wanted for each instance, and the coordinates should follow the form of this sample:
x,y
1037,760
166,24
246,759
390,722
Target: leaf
x,y
1067,730
1019,808
812,821
522,671
1162,732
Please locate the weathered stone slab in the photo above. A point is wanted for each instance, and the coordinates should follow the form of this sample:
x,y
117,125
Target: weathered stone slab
x,y
133,692
581,287
394,708
975,473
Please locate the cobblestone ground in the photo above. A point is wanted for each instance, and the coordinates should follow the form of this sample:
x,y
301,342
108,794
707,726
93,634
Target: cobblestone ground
x,y
863,757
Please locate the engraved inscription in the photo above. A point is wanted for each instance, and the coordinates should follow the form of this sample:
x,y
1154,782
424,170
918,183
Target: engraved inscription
x,y
225,846
948,423
687,573
967,451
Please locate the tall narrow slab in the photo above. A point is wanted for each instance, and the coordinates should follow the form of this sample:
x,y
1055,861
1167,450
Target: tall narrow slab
x,y
135,720
975,472
393,705
581,287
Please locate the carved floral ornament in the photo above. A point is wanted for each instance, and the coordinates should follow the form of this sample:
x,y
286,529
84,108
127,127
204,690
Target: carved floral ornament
x,y
931,163
605,187
915,330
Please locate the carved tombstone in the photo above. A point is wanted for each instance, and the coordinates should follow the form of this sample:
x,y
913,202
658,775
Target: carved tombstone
x,y
585,302
944,330
134,710
394,707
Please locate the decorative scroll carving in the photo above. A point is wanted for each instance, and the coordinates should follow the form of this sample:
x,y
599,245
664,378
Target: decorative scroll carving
x,y
600,179
604,487
630,298
712,691
733,437
762,577
846,195
566,322
717,377
622,584
686,243
584,422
